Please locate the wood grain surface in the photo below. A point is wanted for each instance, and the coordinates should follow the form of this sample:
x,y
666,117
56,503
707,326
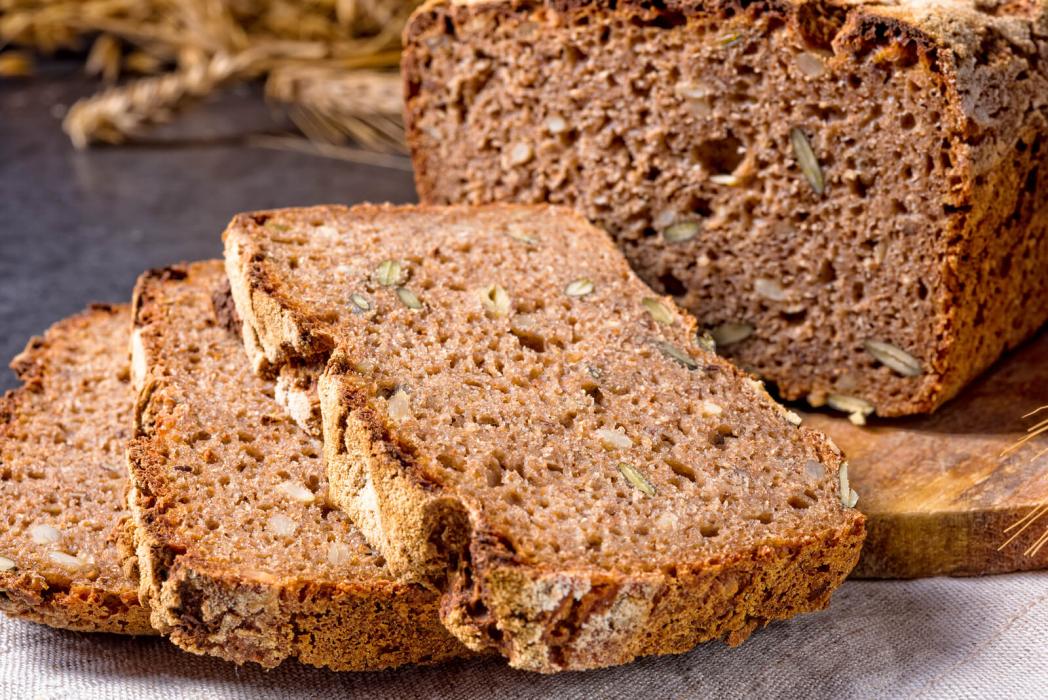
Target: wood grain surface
x,y
938,494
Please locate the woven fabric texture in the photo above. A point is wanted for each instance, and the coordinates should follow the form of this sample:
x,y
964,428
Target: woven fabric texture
x,y
932,638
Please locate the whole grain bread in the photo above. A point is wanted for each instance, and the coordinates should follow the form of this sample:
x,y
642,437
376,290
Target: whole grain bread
x,y
850,196
64,541
512,416
241,555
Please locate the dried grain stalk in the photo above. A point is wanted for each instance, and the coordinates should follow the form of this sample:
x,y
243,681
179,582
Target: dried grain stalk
x,y
1026,522
310,49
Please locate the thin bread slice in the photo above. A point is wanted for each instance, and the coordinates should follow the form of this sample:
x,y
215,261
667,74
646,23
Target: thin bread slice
x,y
241,555
511,415
65,555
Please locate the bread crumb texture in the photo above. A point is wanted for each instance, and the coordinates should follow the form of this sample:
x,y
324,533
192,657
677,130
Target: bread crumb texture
x,y
65,553
542,436
243,557
811,179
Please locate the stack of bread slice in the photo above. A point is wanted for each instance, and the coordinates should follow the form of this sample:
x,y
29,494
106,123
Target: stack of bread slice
x,y
380,435
388,435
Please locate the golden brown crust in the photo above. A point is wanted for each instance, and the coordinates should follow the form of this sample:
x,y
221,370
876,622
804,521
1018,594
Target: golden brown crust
x,y
207,604
986,60
99,597
543,617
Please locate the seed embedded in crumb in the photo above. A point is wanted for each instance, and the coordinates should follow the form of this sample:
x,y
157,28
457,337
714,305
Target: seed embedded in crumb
x,y
691,91
494,299
66,561
730,333
523,238
360,303
848,495
637,479
814,470
676,354
725,179
730,39
705,341
6,564
681,231
769,289
296,491
807,161
520,154
894,358
658,311
555,124
579,288
389,273
756,385
614,439
810,64
856,408
281,525
44,534
399,406
339,553
793,418
408,298
708,409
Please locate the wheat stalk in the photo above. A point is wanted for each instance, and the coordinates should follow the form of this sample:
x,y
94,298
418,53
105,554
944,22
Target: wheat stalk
x,y
310,50
1024,523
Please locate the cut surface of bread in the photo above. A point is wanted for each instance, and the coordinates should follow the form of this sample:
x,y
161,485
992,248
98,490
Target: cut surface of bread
x,y
64,538
511,415
851,197
241,555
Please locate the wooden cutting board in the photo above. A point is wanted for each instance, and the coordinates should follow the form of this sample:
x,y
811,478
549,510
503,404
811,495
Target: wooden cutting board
x,y
938,495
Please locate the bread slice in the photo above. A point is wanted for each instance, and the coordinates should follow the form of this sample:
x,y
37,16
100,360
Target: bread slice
x,y
511,415
850,196
241,555
65,556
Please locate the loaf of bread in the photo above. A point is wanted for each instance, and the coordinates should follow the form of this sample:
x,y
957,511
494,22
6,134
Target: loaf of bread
x,y
65,553
512,416
851,197
242,557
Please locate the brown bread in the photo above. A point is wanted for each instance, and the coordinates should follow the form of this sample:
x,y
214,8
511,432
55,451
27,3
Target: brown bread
x,y
852,197
512,416
241,555
64,541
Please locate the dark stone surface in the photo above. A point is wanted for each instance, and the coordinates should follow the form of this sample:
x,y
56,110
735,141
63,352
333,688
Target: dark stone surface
x,y
77,227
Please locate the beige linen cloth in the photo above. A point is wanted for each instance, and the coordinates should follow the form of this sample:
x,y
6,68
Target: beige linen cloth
x,y
932,638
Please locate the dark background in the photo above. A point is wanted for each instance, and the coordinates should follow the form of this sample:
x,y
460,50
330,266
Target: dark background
x,y
79,226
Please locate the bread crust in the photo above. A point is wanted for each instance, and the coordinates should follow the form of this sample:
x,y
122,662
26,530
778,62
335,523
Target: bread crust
x,y
544,619
547,619
208,606
110,603
992,240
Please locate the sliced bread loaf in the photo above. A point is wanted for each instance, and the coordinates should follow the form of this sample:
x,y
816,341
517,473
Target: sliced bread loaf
x,y
850,196
511,415
65,555
241,555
